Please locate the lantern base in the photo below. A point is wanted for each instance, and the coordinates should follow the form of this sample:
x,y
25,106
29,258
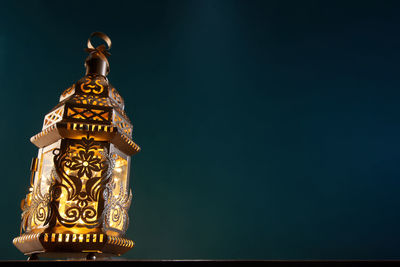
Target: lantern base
x,y
60,245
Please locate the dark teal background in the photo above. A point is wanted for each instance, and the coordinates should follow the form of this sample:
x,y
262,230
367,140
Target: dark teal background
x,y
269,129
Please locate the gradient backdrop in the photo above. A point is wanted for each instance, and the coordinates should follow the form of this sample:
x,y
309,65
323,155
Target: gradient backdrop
x,y
269,129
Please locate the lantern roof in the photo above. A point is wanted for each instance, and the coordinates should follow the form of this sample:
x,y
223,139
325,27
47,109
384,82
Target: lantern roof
x,y
90,104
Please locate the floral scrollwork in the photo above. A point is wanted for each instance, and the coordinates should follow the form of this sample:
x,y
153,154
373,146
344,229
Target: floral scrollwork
x,y
115,213
68,91
93,84
36,207
82,172
116,96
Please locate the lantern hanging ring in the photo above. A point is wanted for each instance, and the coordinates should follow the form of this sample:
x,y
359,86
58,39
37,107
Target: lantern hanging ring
x,y
102,36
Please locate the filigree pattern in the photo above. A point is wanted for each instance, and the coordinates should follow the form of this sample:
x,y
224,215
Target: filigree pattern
x,y
83,170
91,100
121,123
68,92
116,208
93,84
88,113
36,209
116,96
53,117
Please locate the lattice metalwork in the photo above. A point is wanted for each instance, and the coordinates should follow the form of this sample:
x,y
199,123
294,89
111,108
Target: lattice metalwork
x,y
91,100
122,124
88,113
114,95
67,93
53,117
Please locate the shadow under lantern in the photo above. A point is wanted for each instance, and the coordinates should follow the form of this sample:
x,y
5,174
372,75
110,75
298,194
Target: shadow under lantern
x,y
79,197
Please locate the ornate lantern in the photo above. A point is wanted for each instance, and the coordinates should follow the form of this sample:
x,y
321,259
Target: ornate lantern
x,y
79,194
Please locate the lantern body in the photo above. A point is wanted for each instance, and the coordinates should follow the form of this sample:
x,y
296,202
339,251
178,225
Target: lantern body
x,y
79,197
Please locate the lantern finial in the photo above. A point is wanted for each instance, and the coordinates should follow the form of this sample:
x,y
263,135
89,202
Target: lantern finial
x,y
96,62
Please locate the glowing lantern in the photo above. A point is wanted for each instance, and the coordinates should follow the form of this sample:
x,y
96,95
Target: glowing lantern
x,y
78,202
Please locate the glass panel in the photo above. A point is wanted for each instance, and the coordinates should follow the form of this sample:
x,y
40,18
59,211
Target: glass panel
x,y
119,196
39,203
119,175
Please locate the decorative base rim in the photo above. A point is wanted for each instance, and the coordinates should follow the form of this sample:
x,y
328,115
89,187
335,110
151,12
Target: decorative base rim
x,y
71,245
